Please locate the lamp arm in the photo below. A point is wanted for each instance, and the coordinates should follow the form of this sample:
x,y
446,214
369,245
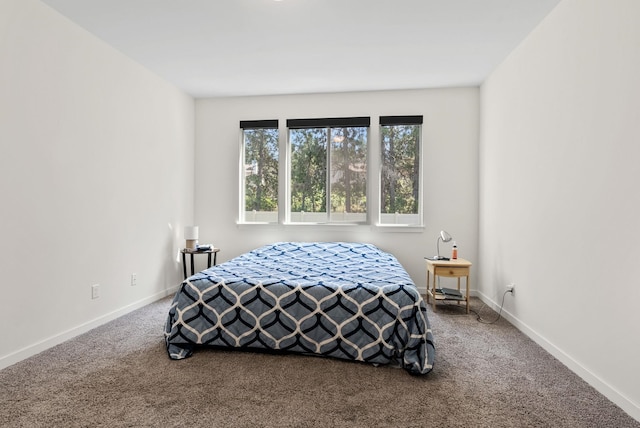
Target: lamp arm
x,y
438,246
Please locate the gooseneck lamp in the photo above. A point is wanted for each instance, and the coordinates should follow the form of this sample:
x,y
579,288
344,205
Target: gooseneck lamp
x,y
444,237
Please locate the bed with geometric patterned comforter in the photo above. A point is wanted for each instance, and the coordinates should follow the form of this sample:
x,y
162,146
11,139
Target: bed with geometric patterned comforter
x,y
335,299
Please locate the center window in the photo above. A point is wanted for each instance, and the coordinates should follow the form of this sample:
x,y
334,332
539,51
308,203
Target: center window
x,y
328,170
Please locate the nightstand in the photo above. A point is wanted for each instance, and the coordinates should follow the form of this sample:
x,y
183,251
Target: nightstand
x,y
209,253
457,268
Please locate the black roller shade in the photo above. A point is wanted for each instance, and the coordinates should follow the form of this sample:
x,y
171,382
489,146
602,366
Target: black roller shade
x,y
332,122
400,120
258,124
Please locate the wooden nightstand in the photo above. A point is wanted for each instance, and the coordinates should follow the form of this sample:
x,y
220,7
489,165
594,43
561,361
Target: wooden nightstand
x,y
448,268
185,251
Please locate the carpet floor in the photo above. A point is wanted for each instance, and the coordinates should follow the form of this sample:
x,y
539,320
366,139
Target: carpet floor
x,y
119,375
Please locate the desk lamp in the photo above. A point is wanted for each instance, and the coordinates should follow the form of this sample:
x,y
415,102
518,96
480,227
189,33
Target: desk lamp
x,y
445,237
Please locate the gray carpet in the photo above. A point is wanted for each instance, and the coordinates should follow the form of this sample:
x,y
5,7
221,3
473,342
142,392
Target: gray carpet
x,y
119,375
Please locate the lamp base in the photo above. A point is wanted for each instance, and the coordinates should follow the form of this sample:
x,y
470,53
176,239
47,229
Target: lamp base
x,y
438,258
192,244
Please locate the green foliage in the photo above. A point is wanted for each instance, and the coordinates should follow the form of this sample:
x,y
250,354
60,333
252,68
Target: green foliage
x,y
261,169
400,169
331,163
308,169
347,169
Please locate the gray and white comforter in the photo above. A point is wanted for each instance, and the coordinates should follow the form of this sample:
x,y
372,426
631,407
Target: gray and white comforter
x,y
335,299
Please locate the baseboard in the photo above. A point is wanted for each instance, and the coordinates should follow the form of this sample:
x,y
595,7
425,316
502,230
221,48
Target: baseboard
x,y
601,386
43,345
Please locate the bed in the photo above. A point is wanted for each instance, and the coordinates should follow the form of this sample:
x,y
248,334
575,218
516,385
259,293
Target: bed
x,y
335,299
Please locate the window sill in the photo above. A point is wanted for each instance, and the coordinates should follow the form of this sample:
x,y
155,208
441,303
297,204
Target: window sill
x,y
382,227
386,228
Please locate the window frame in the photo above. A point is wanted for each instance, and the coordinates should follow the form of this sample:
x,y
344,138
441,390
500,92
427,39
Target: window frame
x,y
328,124
411,120
373,176
255,125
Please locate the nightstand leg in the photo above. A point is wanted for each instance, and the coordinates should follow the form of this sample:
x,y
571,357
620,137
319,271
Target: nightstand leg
x,y
467,293
434,292
427,287
184,265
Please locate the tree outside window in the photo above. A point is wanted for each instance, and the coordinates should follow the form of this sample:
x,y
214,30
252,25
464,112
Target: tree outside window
x,y
328,170
400,173
260,160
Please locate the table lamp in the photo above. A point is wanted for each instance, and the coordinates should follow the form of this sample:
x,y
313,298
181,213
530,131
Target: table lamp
x,y
445,237
191,236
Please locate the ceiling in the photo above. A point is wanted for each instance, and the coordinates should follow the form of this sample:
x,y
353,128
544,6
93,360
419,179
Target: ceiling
x,y
212,48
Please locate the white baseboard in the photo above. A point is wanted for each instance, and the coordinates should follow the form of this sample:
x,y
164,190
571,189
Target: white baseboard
x,y
601,386
43,345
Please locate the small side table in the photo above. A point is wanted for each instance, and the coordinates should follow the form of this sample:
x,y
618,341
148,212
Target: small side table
x,y
209,253
457,268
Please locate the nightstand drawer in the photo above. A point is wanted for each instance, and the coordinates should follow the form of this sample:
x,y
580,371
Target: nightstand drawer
x,y
451,271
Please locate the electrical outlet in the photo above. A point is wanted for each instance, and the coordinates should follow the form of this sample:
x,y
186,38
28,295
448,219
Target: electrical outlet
x,y
95,291
511,288
134,279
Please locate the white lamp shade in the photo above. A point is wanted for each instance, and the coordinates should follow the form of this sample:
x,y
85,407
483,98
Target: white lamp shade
x,y
191,232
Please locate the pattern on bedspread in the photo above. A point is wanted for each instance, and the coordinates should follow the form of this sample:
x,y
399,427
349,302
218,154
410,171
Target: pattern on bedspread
x,y
343,300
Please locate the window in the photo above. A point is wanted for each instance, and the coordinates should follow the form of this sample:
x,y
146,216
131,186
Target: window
x,y
260,171
328,170
400,176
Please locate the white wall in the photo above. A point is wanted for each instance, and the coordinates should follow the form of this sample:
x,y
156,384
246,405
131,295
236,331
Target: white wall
x,y
450,138
559,176
96,180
